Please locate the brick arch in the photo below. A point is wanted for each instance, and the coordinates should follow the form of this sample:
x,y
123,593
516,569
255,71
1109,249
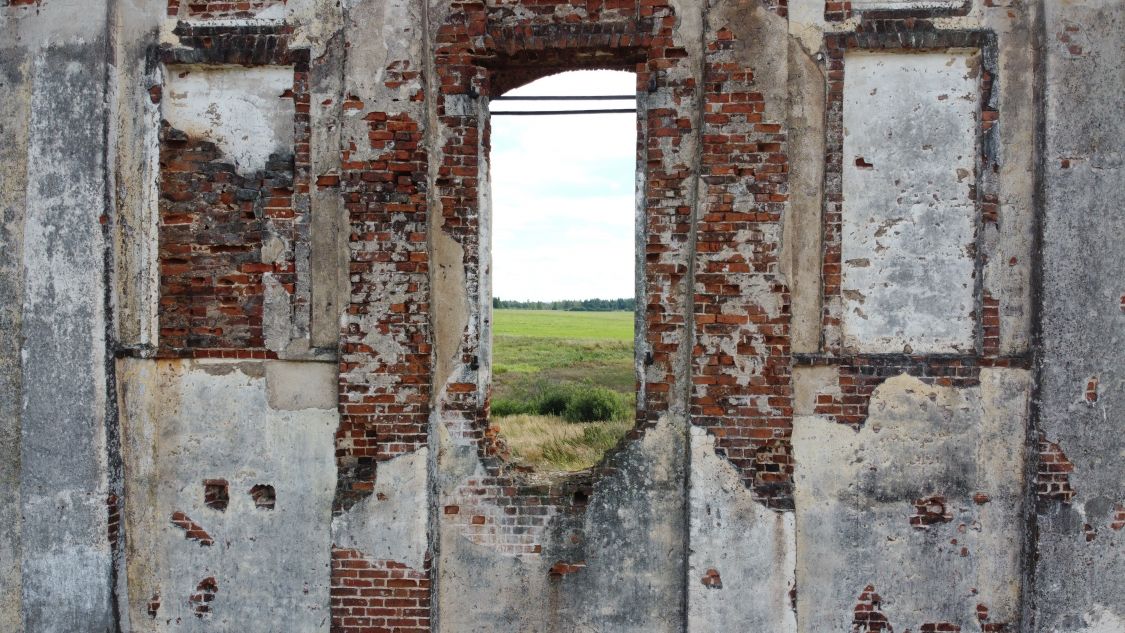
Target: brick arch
x,y
482,52
513,58
509,76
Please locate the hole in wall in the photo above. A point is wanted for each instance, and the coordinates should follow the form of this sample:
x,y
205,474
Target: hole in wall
x,y
264,497
216,494
204,594
563,268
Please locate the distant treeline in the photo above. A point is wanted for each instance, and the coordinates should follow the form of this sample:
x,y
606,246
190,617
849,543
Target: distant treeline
x,y
573,305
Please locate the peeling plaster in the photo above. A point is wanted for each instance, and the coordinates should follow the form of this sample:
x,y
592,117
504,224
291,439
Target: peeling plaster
x,y
392,522
855,493
751,547
907,210
239,109
183,425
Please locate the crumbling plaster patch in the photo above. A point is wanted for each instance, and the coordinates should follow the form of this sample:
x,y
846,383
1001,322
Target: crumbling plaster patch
x,y
65,472
855,493
909,220
15,104
392,522
809,382
185,422
629,537
241,110
752,548
1082,334
907,5
1100,619
802,228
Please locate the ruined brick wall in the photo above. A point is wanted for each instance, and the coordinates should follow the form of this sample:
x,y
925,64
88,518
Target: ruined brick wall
x,y
215,218
220,9
878,296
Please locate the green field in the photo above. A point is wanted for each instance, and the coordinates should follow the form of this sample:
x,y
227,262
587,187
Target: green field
x,y
594,326
561,347
536,352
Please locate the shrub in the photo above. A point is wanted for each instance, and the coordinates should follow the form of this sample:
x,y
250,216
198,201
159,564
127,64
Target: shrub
x,y
593,404
505,406
554,400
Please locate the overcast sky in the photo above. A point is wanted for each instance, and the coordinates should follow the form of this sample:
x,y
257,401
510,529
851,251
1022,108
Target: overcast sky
x,y
563,193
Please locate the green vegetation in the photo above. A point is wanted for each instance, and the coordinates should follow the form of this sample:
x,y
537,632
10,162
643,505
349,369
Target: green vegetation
x,y
563,384
549,443
583,305
588,327
582,402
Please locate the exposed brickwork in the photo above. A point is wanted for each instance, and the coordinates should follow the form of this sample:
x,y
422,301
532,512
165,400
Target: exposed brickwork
x,y
213,220
210,248
1091,393
860,375
222,9
153,606
1118,517
868,617
837,11
841,10
192,530
990,326
264,497
985,625
113,529
910,34
940,627
1052,481
562,568
741,389
216,494
712,580
488,50
377,596
498,512
20,3
204,595
218,9
930,511
384,397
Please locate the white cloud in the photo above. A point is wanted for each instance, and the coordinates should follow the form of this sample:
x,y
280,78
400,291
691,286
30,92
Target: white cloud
x,y
563,193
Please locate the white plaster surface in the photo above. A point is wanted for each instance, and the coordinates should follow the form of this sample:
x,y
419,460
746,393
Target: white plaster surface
x,y
184,422
906,5
391,523
752,548
908,219
295,386
1101,620
239,109
854,494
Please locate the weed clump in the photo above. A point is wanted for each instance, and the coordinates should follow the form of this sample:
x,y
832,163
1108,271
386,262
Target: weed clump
x,y
503,407
572,402
554,400
594,404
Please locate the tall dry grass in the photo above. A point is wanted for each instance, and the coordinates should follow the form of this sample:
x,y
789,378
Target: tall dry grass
x,y
547,442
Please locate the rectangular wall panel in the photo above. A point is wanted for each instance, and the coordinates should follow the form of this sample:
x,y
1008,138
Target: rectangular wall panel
x,y
909,217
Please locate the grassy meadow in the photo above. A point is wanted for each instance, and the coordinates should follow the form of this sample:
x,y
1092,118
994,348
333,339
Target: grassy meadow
x,y
563,384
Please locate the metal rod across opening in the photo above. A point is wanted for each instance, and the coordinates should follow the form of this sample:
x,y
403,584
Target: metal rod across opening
x,y
568,98
548,112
